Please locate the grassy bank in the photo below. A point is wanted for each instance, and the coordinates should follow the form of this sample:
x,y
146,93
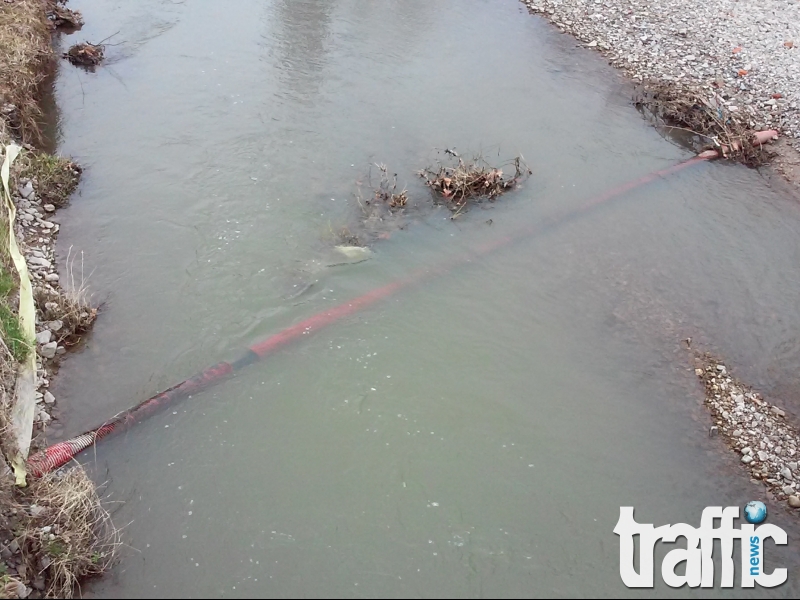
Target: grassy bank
x,y
55,532
25,56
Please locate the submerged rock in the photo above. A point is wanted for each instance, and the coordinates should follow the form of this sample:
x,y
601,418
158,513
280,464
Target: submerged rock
x,y
354,252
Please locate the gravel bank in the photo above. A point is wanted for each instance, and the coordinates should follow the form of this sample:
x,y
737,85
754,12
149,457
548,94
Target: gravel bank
x,y
767,444
746,51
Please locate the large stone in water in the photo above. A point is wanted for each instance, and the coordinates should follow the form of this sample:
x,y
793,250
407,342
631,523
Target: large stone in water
x,y
354,252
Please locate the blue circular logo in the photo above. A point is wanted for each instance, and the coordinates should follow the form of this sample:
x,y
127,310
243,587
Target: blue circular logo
x,y
755,512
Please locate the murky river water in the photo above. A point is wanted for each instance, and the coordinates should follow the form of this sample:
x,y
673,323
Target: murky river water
x,y
472,436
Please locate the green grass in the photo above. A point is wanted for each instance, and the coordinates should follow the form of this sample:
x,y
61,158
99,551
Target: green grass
x,y
7,284
10,328
57,549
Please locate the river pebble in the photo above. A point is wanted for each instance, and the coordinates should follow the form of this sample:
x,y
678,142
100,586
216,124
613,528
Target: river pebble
x,y
36,261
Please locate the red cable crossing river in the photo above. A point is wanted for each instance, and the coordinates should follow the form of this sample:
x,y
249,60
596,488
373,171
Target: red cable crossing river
x,y
60,453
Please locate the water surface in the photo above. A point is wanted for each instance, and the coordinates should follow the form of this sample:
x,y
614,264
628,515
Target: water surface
x,y
472,436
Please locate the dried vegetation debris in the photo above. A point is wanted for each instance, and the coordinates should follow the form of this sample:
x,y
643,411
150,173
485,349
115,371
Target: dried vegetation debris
x,y
25,54
54,534
85,54
67,315
706,117
384,207
387,192
767,445
62,17
456,181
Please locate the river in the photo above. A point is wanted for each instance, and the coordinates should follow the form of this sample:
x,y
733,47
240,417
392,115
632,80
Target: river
x,y
471,436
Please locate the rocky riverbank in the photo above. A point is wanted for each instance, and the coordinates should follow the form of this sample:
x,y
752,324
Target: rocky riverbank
x,y
743,55
63,312
53,532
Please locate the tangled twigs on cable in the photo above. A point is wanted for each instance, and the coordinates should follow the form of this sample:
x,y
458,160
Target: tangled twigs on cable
x,y
458,182
712,121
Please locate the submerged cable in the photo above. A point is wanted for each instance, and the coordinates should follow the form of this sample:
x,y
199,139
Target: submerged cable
x,y
60,453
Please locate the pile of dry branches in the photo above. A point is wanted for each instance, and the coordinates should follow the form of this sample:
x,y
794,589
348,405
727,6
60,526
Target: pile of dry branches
x,y
85,54
704,115
461,181
387,207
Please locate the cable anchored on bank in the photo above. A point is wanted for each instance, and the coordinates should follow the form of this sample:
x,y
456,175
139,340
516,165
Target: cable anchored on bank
x,y
60,453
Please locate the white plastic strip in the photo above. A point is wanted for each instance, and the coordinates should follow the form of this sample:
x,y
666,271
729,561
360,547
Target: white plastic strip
x,y
24,407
